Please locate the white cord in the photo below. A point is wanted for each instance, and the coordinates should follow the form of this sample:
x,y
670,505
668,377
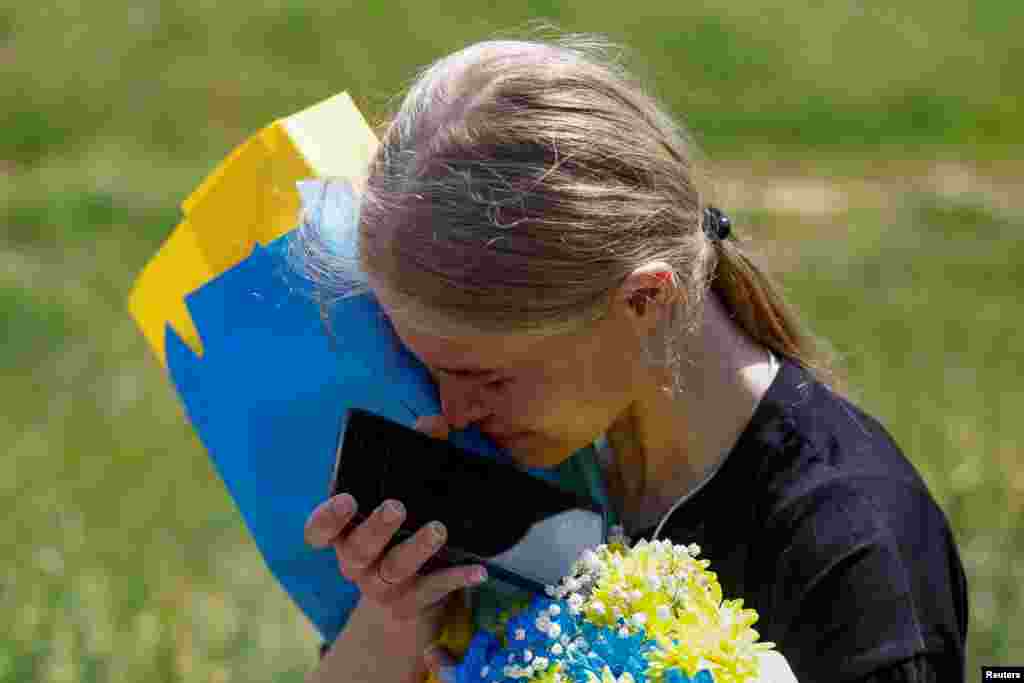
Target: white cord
x,y
606,455
691,494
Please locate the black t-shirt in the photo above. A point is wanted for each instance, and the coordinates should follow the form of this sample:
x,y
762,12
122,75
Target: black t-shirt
x,y
820,523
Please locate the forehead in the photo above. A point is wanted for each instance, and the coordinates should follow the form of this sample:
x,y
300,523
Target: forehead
x,y
467,355
464,356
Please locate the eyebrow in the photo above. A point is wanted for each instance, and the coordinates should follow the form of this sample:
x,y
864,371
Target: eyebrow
x,y
467,372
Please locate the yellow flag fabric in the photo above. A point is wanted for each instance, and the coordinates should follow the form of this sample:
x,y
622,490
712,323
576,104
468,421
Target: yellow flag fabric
x,y
249,198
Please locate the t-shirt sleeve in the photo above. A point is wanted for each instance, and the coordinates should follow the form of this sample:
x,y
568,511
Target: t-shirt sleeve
x,y
841,600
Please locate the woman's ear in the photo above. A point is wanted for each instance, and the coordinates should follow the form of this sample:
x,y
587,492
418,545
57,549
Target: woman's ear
x,y
648,286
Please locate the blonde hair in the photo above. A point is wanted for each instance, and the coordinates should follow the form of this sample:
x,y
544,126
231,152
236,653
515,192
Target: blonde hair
x,y
520,182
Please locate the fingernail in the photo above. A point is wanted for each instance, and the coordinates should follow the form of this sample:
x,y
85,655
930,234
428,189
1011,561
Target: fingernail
x,y
391,510
436,531
344,504
430,656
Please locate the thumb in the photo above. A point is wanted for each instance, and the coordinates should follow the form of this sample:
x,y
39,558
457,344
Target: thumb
x,y
440,663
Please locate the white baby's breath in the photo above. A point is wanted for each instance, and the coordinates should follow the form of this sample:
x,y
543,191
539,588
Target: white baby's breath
x,y
607,587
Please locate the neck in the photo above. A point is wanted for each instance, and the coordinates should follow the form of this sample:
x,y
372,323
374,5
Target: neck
x,y
665,447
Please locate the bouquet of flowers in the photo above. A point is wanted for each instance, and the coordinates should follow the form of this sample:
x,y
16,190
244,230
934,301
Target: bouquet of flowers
x,y
650,613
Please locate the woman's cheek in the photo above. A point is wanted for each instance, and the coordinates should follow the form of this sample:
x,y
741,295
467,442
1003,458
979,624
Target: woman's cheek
x,y
526,405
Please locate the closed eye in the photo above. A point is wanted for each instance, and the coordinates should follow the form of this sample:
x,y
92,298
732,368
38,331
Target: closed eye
x,y
494,385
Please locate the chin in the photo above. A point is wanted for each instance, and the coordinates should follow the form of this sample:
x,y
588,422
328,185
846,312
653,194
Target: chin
x,y
529,455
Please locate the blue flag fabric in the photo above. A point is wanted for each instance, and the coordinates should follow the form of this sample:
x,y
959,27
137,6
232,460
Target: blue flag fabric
x,y
270,392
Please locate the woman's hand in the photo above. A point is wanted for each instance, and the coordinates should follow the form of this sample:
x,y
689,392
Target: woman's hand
x,y
396,601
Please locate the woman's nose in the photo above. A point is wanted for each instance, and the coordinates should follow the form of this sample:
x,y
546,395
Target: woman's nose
x,y
460,408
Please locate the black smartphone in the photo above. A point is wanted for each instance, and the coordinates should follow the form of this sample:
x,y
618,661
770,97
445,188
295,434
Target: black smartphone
x,y
526,531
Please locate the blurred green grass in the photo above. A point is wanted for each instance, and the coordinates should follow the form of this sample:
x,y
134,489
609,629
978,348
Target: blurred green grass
x,y
126,558
781,76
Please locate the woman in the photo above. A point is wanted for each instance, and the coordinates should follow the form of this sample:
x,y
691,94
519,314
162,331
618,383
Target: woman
x,y
535,229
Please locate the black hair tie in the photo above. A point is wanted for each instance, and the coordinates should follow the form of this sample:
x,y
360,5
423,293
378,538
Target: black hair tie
x,y
716,224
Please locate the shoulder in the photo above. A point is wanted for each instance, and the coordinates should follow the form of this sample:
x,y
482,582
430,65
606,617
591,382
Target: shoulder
x,y
862,561
814,449
833,481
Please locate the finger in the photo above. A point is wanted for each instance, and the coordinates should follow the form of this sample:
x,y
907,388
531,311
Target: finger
x,y
439,662
434,425
364,544
430,424
406,558
329,519
437,587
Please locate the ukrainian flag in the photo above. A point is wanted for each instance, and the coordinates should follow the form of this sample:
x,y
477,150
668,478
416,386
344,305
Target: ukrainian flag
x,y
243,341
